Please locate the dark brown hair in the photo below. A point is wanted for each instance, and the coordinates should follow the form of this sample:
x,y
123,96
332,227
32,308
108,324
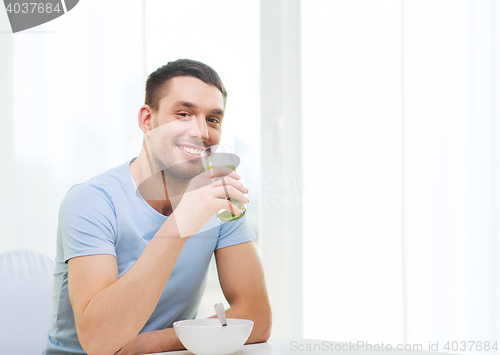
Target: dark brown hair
x,y
155,85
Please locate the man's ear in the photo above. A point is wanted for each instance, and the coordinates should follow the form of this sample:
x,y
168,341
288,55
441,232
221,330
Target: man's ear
x,y
145,118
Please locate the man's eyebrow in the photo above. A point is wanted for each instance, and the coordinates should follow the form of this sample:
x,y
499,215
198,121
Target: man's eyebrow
x,y
192,105
218,112
184,104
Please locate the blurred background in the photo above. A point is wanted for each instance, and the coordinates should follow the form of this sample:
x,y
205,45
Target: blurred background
x,y
369,134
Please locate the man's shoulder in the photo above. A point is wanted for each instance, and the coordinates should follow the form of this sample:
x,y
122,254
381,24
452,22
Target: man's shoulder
x,y
113,178
102,185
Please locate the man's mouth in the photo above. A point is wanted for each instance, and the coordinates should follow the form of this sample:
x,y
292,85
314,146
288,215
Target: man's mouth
x,y
195,151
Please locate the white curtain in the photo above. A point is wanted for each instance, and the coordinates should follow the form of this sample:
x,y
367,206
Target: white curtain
x,y
451,170
401,131
75,87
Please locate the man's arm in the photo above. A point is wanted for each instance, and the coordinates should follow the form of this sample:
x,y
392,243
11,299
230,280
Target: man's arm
x,y
242,281
109,311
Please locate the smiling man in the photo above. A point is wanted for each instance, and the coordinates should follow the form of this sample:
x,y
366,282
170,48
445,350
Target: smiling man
x,y
134,243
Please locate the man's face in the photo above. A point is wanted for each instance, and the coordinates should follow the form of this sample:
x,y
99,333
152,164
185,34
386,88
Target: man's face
x,y
188,119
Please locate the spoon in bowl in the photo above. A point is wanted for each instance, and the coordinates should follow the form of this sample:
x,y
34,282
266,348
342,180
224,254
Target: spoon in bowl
x,y
221,313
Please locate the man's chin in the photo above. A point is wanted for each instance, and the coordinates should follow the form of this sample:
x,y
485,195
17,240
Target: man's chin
x,y
185,171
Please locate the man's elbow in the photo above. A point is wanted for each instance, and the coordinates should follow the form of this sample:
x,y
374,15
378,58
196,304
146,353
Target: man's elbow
x,y
266,332
97,349
262,327
95,345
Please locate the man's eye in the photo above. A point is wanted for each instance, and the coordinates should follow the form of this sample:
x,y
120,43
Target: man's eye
x,y
183,115
214,121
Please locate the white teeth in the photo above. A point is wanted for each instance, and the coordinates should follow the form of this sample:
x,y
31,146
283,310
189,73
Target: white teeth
x,y
191,150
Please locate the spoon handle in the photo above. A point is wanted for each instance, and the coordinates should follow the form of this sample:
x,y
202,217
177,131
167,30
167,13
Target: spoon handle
x,y
221,313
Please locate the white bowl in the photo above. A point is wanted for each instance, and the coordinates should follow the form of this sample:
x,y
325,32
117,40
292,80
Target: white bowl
x,y
209,337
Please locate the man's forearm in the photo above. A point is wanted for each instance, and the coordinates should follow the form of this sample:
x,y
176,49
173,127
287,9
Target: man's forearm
x,y
116,314
153,342
162,340
261,318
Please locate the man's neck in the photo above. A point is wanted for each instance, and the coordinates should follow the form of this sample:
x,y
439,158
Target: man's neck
x,y
161,192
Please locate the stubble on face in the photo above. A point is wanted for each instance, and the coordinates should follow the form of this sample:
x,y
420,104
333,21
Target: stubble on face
x,y
163,149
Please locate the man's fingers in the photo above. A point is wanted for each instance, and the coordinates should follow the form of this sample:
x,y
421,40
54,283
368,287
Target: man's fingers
x,y
228,206
230,182
230,191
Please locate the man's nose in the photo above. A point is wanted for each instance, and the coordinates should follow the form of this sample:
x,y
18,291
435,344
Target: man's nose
x,y
202,126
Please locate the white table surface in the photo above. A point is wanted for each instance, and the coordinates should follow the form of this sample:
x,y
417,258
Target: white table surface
x,y
275,346
294,347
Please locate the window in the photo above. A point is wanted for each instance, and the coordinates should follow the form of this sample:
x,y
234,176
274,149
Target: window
x,y
352,175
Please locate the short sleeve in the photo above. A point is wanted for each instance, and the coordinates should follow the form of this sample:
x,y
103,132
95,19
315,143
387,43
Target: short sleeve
x,y
87,222
235,232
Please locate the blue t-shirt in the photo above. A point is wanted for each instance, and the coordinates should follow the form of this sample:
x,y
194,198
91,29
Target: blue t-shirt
x,y
107,215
